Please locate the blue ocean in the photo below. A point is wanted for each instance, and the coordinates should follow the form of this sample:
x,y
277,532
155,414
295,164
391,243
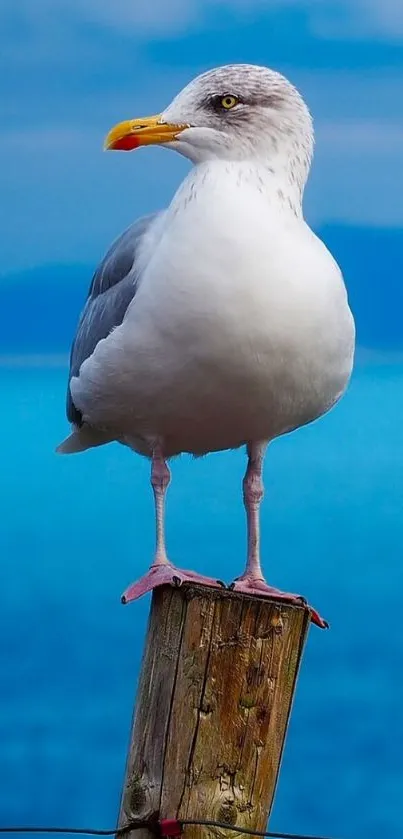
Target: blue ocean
x,y
76,530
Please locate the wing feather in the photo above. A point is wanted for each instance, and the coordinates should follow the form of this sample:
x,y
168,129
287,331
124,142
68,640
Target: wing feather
x,y
112,289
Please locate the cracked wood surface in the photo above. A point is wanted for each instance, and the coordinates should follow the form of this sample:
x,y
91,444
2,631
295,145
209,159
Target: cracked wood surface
x,y
213,703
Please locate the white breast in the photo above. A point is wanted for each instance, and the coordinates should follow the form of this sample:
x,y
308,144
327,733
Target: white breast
x,y
240,329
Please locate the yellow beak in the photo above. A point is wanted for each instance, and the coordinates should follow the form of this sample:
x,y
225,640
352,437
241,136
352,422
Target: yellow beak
x,y
133,133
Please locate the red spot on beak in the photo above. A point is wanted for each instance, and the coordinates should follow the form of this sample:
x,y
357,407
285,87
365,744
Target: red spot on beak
x,y
127,143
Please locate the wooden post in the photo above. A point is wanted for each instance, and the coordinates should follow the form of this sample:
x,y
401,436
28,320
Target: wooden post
x,y
214,698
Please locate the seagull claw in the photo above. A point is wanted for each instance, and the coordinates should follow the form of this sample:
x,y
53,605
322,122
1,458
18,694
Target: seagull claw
x,y
260,588
161,574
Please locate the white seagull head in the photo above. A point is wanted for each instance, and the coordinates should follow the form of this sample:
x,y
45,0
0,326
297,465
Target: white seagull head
x,y
235,112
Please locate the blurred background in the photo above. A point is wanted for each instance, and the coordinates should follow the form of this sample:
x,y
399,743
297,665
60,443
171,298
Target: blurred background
x,y
75,531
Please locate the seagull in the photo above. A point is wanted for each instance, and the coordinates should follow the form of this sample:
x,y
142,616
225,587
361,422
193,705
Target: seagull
x,y
222,321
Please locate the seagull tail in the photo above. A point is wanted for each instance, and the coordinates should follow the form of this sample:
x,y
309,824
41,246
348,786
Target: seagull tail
x,y
83,438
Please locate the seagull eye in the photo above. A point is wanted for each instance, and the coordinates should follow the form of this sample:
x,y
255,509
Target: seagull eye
x,y
228,102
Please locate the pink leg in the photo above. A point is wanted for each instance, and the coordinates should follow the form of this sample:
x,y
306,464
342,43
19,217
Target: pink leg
x,y
252,580
162,572
160,480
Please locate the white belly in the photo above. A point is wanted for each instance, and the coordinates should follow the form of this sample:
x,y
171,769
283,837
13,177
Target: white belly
x,y
239,331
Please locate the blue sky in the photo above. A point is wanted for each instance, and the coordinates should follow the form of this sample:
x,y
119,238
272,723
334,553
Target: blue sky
x,y
70,69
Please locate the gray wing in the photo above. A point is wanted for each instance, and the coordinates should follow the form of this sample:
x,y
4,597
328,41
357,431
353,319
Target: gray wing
x,y
112,289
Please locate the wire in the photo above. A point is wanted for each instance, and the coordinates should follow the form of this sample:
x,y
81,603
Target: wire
x,y
249,831
84,831
117,831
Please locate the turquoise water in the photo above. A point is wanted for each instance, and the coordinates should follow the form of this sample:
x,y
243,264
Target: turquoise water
x,y
75,531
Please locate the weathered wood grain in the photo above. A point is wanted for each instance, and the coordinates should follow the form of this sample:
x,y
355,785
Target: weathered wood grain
x,y
213,703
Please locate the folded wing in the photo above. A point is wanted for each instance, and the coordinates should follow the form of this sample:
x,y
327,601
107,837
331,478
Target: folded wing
x,y
112,289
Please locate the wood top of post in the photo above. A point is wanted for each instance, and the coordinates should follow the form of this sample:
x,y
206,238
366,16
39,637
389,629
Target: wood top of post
x,y
214,698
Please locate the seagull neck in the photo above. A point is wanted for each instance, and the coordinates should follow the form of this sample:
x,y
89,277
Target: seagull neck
x,y
278,179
